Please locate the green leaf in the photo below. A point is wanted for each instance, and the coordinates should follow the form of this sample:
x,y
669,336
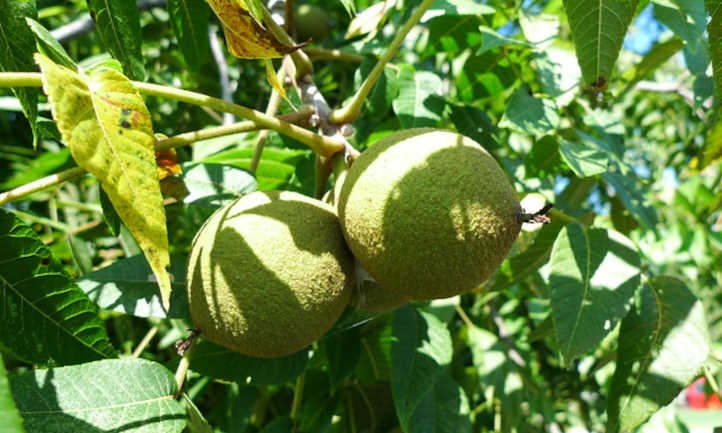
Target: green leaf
x,y
45,164
444,409
712,145
114,142
118,25
375,362
128,286
318,406
189,20
282,424
452,34
686,18
275,169
10,421
531,259
350,6
479,77
583,157
622,221
46,44
16,53
112,220
46,318
419,102
598,29
660,53
420,351
491,39
714,29
527,114
593,276
475,124
214,185
544,158
631,195
343,352
457,7
123,395
663,343
216,361
539,29
500,377
197,423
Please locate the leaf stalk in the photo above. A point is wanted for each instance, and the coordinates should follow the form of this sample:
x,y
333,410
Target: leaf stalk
x,y
350,112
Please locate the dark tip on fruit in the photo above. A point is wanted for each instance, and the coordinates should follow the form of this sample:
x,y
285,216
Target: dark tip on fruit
x,y
183,345
539,216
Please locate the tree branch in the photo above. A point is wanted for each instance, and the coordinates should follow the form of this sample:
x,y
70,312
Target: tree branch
x,y
175,141
350,112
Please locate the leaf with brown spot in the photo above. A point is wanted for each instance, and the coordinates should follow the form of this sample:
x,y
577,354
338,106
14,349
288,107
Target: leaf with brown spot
x,y
247,38
105,123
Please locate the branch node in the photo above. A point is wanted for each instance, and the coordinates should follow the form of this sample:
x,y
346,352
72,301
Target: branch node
x,y
346,130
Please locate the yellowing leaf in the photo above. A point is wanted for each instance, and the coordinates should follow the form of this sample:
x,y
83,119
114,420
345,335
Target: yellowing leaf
x,y
167,163
276,83
712,145
247,38
107,126
369,20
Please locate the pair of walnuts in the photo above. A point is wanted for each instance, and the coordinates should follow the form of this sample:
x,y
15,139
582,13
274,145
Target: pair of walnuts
x,y
429,214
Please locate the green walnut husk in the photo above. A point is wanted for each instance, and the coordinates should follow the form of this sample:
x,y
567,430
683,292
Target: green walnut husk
x,y
428,213
269,273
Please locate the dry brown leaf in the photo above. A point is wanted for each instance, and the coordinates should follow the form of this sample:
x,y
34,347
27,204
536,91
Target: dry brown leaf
x,y
247,38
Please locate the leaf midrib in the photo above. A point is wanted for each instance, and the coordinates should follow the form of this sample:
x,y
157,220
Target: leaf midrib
x,y
119,44
110,145
648,354
587,278
194,37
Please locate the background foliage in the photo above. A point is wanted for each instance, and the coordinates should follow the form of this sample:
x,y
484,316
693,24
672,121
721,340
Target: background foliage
x,y
597,320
